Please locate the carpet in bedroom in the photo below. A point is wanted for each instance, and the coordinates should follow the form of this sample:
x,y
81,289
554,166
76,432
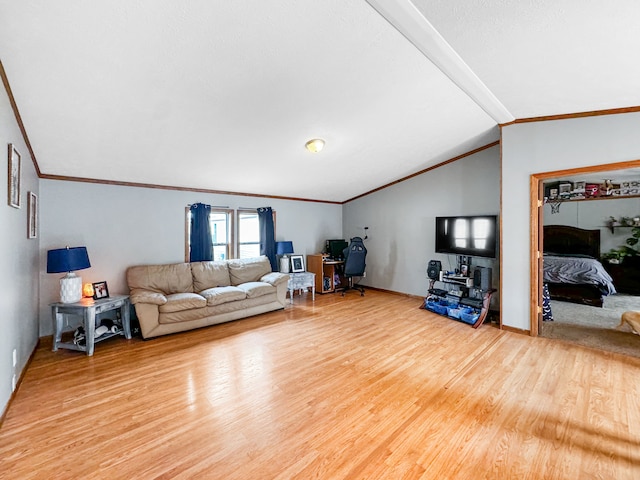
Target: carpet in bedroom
x,y
595,327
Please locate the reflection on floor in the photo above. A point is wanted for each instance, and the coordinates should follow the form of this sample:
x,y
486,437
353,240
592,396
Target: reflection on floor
x,y
595,327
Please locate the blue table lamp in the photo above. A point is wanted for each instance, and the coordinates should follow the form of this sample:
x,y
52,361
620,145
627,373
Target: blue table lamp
x,y
68,260
283,249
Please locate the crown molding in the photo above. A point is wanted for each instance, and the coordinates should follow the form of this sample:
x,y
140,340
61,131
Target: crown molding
x,y
16,112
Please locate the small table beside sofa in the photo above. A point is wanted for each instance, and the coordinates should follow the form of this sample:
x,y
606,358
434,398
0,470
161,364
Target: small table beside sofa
x,y
88,309
300,280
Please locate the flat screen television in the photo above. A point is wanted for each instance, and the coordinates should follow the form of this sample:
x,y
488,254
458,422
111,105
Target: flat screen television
x,y
467,235
335,247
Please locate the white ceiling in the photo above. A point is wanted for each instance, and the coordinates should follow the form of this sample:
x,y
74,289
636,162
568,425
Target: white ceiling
x,y
223,95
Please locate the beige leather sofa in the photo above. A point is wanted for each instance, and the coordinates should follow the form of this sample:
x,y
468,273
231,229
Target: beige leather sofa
x,y
182,296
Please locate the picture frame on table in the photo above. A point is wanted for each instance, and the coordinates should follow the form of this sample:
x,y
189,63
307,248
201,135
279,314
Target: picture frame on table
x,y
297,263
32,215
100,290
14,176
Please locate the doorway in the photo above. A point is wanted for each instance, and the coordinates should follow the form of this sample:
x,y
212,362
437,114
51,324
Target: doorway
x,y
537,215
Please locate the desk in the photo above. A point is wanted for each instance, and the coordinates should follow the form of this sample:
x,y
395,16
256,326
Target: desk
x,y
88,308
329,273
301,280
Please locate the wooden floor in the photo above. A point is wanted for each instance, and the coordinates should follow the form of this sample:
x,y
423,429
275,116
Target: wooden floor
x,y
346,388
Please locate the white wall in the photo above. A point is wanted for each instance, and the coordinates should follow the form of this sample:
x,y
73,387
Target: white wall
x,y
401,219
537,147
18,261
123,226
593,214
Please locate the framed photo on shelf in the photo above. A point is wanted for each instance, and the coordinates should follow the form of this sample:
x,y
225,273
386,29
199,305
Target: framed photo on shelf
x,y
564,190
100,290
32,215
579,187
15,171
297,263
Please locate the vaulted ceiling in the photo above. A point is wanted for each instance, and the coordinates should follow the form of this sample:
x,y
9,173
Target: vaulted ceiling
x,y
222,96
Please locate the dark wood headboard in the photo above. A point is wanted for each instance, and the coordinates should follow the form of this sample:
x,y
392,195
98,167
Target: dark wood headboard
x,y
571,240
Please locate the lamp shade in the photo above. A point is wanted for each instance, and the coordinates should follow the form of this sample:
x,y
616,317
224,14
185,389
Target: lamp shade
x,y
67,259
283,248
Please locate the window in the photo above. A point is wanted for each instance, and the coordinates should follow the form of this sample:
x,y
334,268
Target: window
x,y
248,234
221,224
223,233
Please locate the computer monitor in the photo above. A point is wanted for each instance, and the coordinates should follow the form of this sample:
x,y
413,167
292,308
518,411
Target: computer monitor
x,y
335,247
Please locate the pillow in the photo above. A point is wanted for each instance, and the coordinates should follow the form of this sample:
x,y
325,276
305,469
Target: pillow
x,y
574,255
248,269
209,275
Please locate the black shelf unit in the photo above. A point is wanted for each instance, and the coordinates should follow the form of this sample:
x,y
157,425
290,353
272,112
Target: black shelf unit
x,y
480,306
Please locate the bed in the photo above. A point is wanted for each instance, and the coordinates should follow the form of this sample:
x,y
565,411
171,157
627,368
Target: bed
x,y
572,271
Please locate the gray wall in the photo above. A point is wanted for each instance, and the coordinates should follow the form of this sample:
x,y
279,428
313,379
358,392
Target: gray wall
x,y
401,219
537,147
123,226
18,261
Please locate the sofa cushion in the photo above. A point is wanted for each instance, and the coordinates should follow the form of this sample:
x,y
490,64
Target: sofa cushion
x,y
209,275
257,289
275,278
194,317
165,279
146,296
248,269
219,295
182,301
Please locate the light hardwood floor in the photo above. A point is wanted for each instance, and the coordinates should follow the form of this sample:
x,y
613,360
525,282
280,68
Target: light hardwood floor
x,y
347,388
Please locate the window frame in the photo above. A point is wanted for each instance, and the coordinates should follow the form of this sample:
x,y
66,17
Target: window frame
x,y
230,245
238,243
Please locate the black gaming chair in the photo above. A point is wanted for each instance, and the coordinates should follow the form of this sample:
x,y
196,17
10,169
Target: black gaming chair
x,y
354,263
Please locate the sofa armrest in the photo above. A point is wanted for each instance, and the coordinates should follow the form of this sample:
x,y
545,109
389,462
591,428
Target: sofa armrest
x,y
139,295
275,278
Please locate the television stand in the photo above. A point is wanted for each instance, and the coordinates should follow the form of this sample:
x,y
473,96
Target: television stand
x,y
455,303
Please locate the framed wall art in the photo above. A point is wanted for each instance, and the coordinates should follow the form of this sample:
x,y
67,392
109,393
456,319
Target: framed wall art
x,y
32,215
15,171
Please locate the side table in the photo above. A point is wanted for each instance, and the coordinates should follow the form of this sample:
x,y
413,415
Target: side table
x,y
88,309
301,280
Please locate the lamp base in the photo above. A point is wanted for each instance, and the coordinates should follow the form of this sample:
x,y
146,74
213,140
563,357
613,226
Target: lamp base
x,y
284,264
70,288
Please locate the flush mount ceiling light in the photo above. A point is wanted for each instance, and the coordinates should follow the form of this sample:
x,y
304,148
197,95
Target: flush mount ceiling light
x,y
314,145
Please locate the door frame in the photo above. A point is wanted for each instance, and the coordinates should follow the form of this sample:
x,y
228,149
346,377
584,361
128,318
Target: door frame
x,y
536,205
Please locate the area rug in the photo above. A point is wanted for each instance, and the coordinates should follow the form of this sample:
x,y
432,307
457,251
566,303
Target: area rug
x,y
595,327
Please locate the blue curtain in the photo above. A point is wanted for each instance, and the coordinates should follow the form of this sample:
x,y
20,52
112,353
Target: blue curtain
x,y
267,236
201,243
